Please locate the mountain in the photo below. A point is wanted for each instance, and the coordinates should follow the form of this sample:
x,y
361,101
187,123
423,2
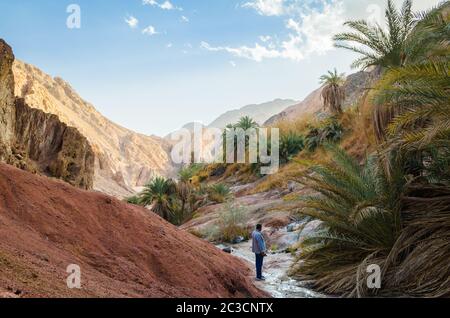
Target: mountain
x,y
121,249
35,141
355,86
259,112
124,160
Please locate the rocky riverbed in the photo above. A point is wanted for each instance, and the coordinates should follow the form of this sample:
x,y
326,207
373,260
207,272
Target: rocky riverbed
x,y
283,230
276,268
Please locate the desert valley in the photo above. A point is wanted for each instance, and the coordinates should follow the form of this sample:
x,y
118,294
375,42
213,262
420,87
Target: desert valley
x,y
364,179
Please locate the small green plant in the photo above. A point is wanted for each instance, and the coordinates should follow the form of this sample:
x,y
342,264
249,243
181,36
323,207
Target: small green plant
x,y
231,224
290,145
219,193
329,132
133,200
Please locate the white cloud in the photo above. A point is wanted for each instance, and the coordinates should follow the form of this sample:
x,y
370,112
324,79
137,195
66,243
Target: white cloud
x,y
150,30
308,33
233,63
267,7
256,53
132,22
166,5
184,19
169,45
309,25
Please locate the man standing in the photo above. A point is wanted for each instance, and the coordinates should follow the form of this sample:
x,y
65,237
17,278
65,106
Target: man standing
x,y
259,248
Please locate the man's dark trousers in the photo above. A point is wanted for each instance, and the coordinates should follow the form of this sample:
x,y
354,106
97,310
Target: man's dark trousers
x,y
259,265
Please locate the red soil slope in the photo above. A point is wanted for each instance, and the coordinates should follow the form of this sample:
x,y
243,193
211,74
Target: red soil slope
x,y
123,250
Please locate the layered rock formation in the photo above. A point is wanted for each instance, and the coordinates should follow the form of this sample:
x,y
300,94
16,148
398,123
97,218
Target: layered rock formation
x,y
355,86
6,101
56,149
124,160
39,142
122,250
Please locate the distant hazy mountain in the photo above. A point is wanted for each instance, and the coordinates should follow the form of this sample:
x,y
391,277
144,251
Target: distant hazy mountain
x,y
259,112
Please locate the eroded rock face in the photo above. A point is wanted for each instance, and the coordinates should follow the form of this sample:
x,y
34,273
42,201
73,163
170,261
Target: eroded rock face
x,y
6,101
33,140
56,149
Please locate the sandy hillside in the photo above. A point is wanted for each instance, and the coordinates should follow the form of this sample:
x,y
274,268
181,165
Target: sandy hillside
x,y
122,250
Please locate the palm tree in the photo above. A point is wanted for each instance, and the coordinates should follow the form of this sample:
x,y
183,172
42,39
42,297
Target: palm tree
x,y
246,123
419,96
333,93
359,210
370,217
290,145
185,191
160,194
377,46
430,37
422,87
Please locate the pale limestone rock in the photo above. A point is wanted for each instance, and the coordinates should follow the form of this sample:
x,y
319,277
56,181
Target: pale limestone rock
x,y
124,160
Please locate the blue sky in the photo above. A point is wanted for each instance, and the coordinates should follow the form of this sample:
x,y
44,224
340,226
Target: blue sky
x,y
154,65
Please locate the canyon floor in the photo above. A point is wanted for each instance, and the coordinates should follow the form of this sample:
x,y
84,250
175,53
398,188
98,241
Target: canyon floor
x,y
282,230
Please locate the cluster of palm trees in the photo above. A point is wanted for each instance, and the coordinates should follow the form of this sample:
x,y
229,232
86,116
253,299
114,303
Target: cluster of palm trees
x,y
177,201
293,142
393,210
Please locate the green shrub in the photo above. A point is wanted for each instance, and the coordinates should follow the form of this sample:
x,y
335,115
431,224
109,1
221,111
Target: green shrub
x,y
329,132
219,193
231,223
133,200
290,145
186,173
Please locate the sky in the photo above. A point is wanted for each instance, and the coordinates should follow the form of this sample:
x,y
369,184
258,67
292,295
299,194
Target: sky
x,y
155,65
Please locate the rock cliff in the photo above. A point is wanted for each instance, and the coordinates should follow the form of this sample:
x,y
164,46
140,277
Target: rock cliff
x,y
6,101
56,149
38,142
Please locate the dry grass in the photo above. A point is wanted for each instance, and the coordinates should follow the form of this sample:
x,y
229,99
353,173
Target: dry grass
x,y
298,126
291,171
360,139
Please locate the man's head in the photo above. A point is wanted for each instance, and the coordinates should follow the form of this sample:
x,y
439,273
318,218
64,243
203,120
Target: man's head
x,y
259,227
